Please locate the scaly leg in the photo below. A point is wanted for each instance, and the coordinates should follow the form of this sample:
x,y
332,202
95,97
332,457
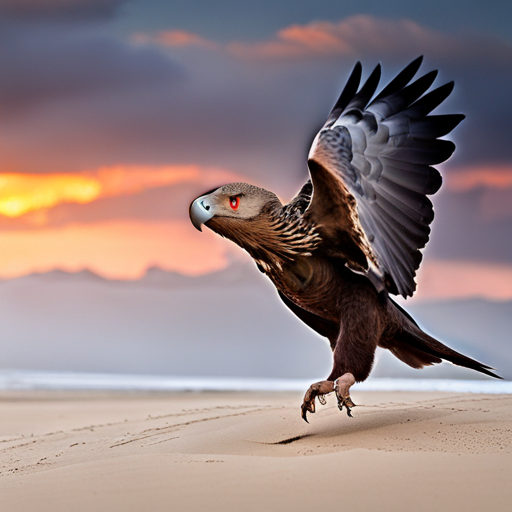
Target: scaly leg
x,y
353,350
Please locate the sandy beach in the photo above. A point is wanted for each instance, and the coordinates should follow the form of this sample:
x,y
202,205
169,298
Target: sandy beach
x,y
62,451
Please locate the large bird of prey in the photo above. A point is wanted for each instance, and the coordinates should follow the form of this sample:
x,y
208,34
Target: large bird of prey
x,y
353,233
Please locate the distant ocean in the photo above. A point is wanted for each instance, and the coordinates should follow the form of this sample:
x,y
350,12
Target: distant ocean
x,y
32,380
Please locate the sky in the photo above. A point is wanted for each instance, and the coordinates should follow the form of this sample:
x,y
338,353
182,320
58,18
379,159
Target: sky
x,y
115,114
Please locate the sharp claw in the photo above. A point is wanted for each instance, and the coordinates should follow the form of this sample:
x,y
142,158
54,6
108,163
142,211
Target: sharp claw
x,y
316,390
349,403
308,406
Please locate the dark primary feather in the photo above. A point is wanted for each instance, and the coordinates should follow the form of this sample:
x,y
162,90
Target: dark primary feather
x,y
402,79
347,94
380,152
365,94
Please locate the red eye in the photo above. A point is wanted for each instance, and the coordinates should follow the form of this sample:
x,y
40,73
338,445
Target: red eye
x,y
234,202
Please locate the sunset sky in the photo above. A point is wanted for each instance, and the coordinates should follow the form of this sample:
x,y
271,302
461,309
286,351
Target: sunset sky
x,y
115,114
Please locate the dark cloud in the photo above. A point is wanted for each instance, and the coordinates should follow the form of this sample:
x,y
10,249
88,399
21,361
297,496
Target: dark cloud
x,y
252,121
74,10
90,100
228,20
48,64
462,228
482,80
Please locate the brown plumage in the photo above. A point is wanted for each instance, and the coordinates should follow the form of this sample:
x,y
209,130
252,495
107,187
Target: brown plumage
x,y
354,232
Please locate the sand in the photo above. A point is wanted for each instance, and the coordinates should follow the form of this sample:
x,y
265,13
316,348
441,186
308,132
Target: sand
x,y
252,451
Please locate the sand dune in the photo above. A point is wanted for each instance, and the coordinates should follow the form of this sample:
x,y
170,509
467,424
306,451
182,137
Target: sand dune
x,y
251,451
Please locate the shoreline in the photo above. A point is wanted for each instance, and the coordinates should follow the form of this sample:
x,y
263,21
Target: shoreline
x,y
29,380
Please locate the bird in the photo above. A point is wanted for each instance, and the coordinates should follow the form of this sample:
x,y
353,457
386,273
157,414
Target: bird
x,y
352,236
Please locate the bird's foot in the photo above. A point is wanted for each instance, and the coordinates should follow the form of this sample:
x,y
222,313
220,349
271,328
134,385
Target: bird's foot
x,y
347,402
316,390
342,387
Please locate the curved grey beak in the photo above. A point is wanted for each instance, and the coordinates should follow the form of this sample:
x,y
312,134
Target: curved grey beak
x,y
200,212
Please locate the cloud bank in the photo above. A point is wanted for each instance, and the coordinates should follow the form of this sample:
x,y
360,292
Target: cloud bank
x,y
76,99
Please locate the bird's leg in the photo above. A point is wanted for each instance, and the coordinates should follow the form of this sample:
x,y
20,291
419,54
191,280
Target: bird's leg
x,y
316,390
342,388
353,350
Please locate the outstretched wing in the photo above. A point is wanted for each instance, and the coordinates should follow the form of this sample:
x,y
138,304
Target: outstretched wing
x,y
371,171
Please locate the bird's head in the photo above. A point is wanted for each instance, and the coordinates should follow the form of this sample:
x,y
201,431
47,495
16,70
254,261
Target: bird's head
x,y
229,207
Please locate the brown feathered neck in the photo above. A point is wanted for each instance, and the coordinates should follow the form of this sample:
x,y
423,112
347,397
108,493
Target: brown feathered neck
x,y
272,237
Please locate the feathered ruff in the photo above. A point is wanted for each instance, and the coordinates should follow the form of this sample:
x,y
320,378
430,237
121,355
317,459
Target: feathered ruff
x,y
273,237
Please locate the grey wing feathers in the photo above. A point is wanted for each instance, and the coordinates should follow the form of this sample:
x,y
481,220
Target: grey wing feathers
x,y
381,152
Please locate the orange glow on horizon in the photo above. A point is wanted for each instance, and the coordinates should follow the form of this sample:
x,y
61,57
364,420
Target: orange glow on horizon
x,y
452,279
497,176
24,193
126,249
115,249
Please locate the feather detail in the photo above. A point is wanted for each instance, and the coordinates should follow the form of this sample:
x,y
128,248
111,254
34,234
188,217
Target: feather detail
x,y
273,237
371,169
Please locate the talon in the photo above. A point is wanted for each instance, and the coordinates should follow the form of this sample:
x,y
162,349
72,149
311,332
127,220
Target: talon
x,y
308,406
347,402
341,387
316,390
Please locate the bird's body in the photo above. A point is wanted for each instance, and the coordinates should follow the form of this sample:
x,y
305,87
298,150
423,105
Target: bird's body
x,y
353,233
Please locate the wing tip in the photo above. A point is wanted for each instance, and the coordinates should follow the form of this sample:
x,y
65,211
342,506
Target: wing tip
x,y
414,65
449,86
348,92
433,74
460,118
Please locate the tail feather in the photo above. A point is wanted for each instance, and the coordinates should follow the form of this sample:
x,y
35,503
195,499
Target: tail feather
x,y
417,349
411,355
